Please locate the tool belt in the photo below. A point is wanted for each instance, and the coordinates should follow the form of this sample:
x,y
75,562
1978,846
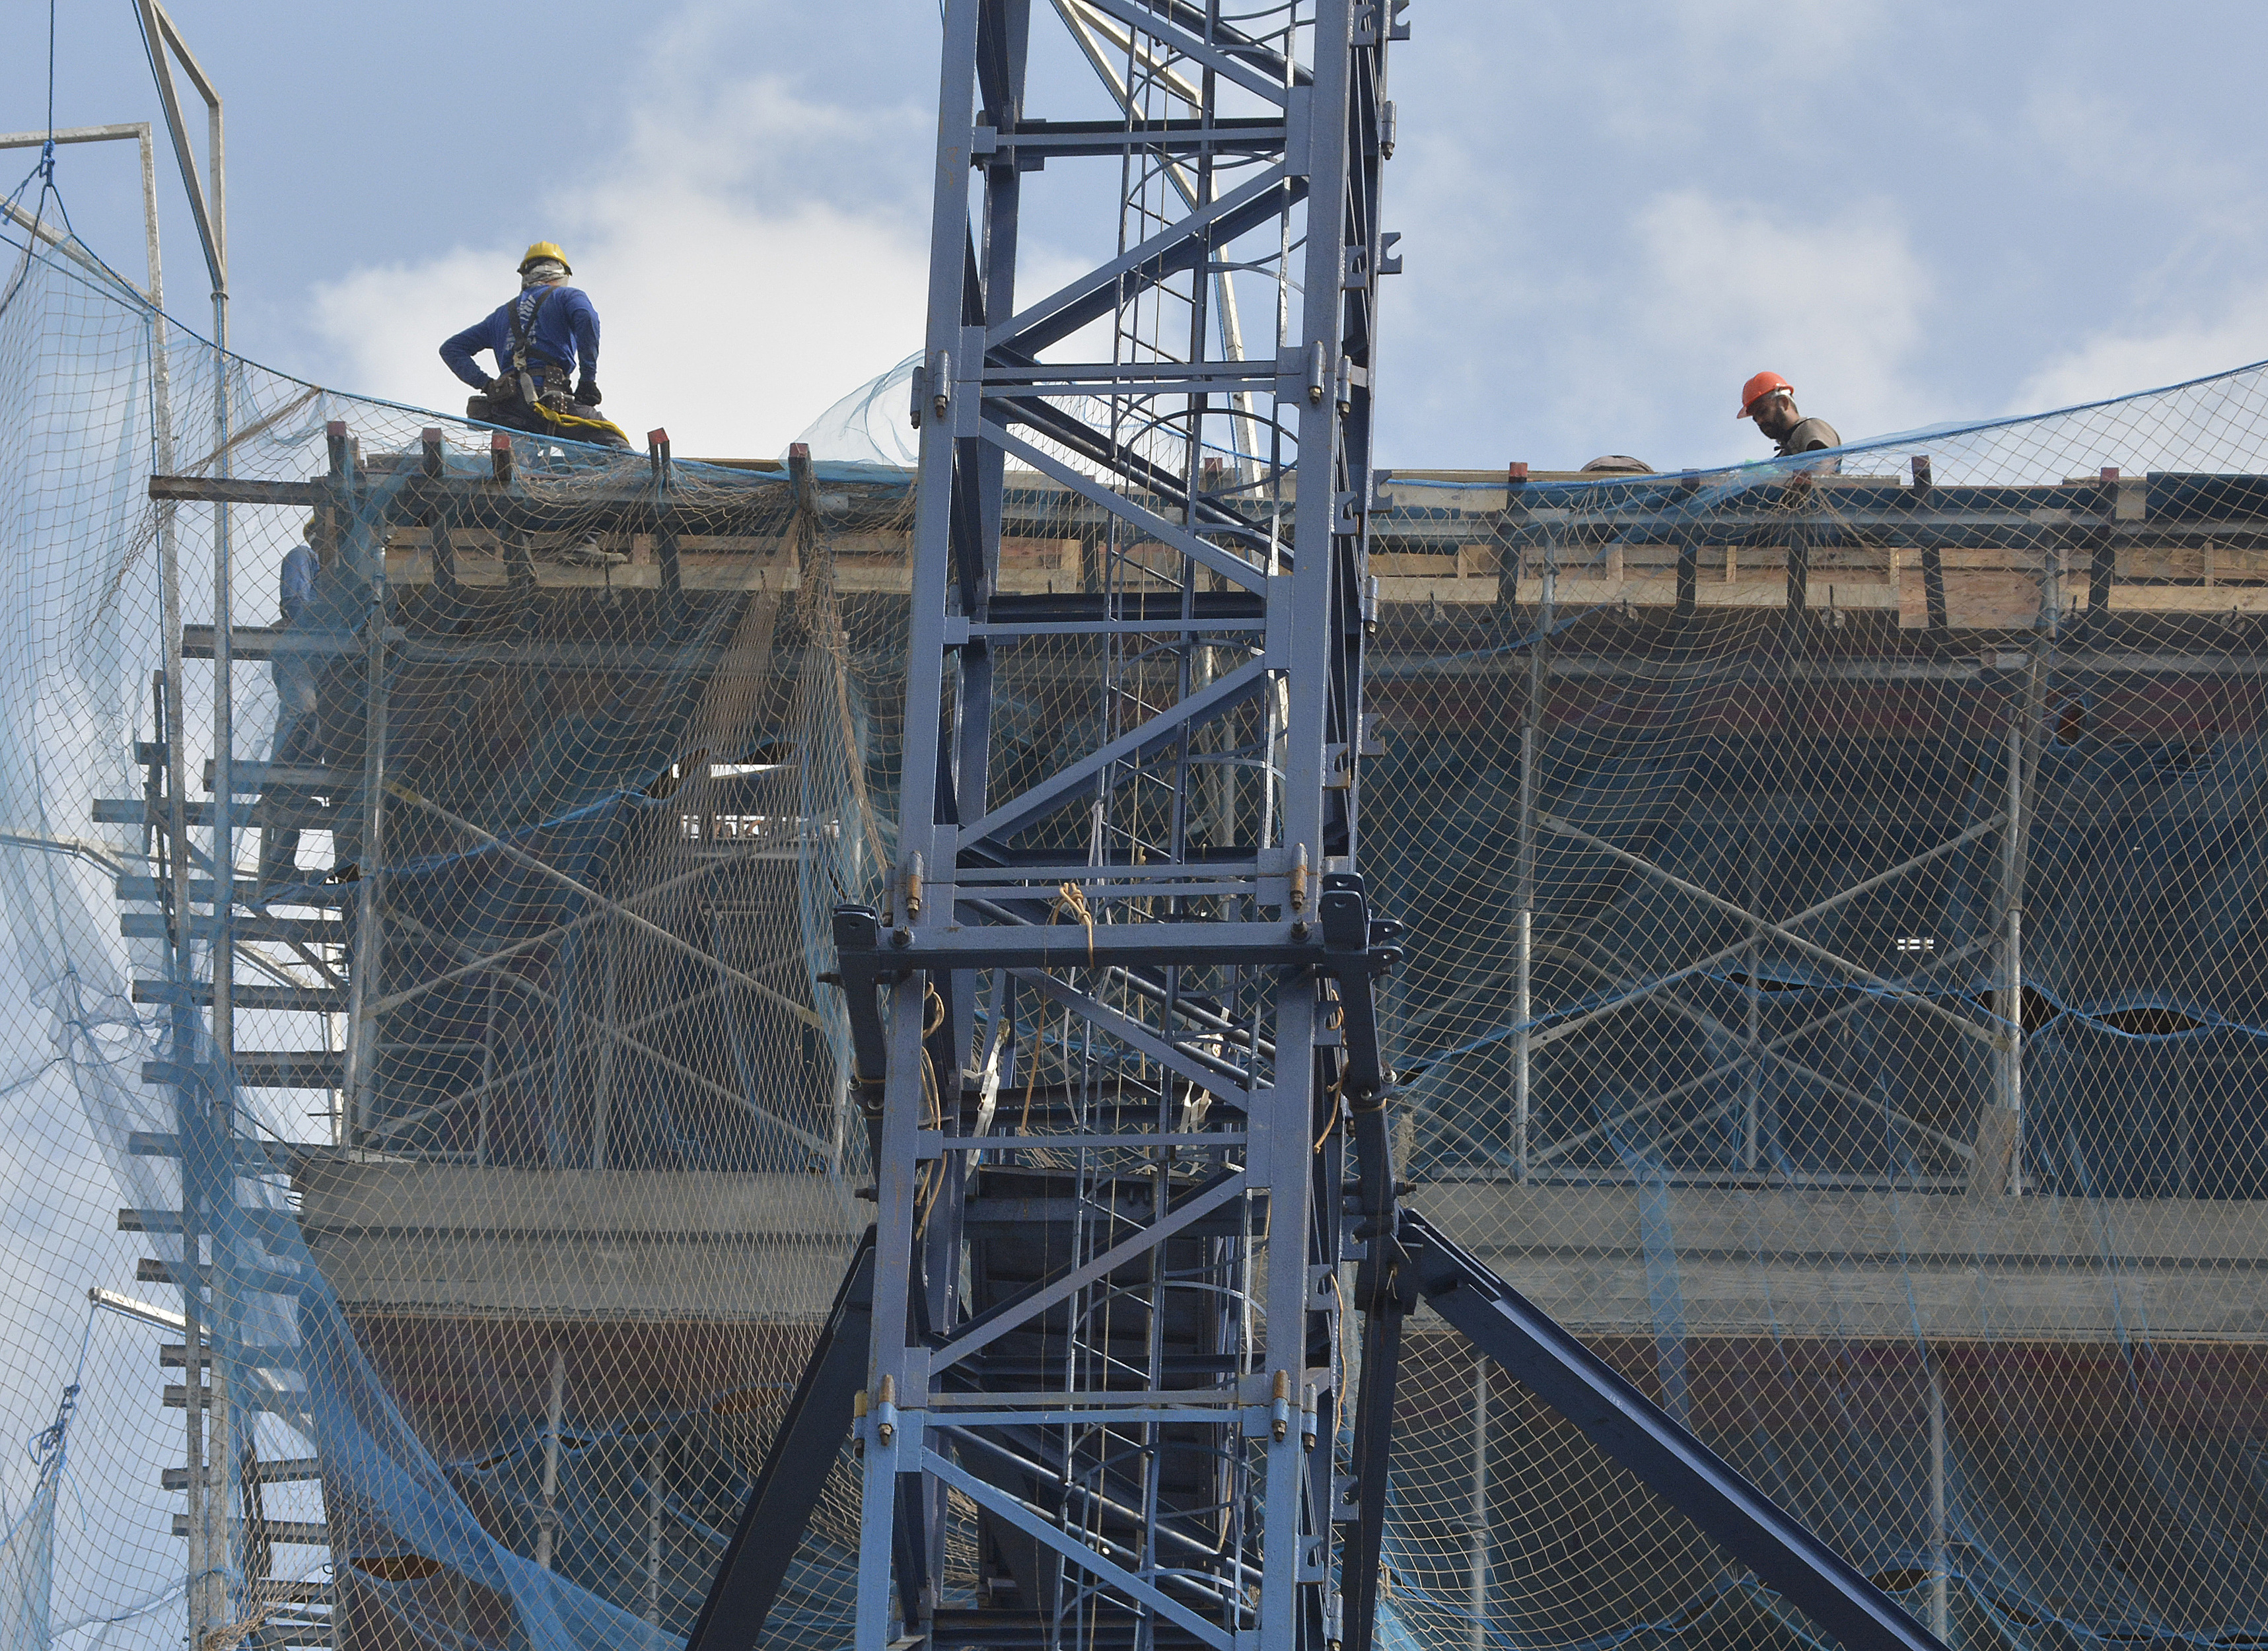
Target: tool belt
x,y
545,417
535,396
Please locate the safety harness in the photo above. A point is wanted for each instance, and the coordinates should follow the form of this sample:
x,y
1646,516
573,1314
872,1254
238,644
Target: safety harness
x,y
573,426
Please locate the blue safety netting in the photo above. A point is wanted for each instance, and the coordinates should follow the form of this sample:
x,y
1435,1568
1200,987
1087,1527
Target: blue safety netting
x,y
1835,992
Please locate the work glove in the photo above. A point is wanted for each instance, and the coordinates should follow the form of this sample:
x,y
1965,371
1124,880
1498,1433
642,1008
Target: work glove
x,y
500,390
587,393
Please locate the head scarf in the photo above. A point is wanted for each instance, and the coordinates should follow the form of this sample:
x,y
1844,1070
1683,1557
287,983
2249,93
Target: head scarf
x,y
542,273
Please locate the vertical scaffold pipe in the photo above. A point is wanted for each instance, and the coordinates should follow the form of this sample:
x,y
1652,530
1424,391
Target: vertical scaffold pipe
x,y
2011,873
547,1533
1938,1605
1539,667
1478,1530
656,1460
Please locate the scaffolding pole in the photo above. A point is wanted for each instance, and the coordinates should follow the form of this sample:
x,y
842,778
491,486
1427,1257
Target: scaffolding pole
x,y
656,1459
555,1413
1524,964
1477,1529
2011,897
205,1099
1938,1609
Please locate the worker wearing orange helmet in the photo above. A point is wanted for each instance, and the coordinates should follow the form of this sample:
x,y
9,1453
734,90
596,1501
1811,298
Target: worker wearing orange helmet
x,y
1770,400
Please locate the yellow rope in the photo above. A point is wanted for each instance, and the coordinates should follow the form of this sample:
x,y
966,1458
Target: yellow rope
x,y
930,1181
573,425
1071,898
1331,1122
1031,1079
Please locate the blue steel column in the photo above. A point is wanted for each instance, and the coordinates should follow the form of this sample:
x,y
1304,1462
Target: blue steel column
x,y
964,899
1292,1555
895,1367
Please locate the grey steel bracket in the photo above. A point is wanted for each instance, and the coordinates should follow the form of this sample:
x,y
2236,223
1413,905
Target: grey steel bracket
x,y
1626,1426
860,974
787,1489
1359,950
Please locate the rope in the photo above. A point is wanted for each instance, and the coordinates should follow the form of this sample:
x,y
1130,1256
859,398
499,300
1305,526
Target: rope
x,y
1032,1078
231,1634
1346,1331
1071,898
931,1178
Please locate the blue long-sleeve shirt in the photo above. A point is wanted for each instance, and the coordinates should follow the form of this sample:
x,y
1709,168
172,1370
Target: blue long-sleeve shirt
x,y
294,584
566,330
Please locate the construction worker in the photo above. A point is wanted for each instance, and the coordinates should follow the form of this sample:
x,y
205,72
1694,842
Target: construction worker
x,y
1770,400
539,339
298,743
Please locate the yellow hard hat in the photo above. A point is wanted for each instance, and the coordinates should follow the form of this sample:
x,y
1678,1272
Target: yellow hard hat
x,y
546,249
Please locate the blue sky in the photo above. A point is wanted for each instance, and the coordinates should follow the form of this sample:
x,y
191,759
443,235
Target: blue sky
x,y
1612,213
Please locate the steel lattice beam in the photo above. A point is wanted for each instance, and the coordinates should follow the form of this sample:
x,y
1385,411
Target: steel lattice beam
x,y
1105,1355
1049,891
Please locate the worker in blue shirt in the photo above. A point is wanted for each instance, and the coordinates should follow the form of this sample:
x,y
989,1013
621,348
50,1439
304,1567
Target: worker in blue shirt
x,y
540,340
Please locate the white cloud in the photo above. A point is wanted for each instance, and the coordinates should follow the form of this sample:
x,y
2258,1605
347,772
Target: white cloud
x,y
736,302
1651,361
1678,72
1838,302
2119,362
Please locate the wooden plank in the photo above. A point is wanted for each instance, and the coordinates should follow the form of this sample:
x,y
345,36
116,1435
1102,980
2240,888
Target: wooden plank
x,y
404,544
153,811
1976,600
151,926
893,578
250,779
480,503
2189,599
289,1470
699,573
269,1069
134,886
1861,1265
264,642
1869,591
290,999
1446,591
222,490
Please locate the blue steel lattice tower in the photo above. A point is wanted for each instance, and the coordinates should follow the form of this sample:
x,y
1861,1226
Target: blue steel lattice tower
x,y
1106,1351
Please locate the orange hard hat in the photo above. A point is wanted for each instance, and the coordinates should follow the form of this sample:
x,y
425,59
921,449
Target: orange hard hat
x,y
1757,388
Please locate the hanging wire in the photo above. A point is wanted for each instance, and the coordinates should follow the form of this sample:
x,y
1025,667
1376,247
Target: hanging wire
x,y
47,154
44,170
47,1446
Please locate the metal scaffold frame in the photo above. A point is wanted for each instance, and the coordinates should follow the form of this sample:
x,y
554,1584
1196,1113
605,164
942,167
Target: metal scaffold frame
x,y
1994,1160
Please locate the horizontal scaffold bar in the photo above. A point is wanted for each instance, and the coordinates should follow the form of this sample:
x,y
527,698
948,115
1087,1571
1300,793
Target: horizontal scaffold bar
x,y
1046,139
476,502
1070,945
291,1471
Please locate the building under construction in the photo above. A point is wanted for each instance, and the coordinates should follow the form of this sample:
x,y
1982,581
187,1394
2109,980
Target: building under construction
x,y
1708,801
1815,910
